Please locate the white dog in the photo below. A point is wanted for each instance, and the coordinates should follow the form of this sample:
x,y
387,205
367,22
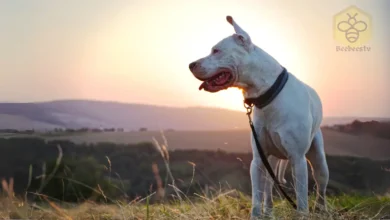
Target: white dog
x,y
288,127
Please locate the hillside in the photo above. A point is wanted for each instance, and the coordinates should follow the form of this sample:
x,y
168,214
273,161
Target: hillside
x,y
21,122
367,128
96,114
336,143
108,181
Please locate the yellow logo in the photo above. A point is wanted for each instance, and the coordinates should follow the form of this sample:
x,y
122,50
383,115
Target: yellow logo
x,y
352,27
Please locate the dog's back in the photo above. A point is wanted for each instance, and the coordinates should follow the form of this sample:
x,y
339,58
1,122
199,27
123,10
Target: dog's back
x,y
315,108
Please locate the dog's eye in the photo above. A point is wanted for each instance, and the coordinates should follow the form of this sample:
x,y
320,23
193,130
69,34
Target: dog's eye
x,y
215,51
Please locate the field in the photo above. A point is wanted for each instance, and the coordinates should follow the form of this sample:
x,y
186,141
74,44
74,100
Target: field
x,y
210,203
222,206
358,188
336,143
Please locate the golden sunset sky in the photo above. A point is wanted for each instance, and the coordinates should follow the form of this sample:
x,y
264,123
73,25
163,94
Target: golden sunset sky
x,y
139,51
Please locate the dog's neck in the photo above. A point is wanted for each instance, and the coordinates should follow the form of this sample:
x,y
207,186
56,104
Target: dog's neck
x,y
262,73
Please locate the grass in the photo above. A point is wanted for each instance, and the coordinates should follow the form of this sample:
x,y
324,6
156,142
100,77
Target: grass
x,y
228,205
212,204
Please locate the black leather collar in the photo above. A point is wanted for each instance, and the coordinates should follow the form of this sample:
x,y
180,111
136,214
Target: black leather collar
x,y
266,98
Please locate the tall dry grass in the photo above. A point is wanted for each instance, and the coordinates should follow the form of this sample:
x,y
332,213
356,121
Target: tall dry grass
x,y
211,204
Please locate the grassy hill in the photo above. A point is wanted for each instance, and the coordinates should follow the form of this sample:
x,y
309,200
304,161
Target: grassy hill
x,y
221,206
144,181
202,175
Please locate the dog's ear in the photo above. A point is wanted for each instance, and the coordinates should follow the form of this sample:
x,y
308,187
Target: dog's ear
x,y
241,36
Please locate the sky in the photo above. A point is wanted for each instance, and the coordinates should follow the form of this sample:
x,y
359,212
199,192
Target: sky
x,y
139,51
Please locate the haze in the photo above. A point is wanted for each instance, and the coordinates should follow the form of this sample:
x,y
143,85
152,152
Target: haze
x,y
139,51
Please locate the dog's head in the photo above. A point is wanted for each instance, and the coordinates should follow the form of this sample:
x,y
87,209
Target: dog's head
x,y
225,66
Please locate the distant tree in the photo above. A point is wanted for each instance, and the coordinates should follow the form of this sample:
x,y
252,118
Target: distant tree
x,y
9,131
96,130
143,129
70,130
58,130
29,131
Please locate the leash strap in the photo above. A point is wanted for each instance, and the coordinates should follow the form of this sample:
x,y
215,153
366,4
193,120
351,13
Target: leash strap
x,y
264,158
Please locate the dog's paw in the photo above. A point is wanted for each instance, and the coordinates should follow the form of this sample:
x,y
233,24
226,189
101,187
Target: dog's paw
x,y
255,217
256,213
268,214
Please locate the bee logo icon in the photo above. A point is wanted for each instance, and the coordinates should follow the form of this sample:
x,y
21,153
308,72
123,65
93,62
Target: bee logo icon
x,y
352,27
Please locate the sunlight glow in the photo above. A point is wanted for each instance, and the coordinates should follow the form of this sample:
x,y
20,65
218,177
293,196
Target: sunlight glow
x,y
116,56
138,51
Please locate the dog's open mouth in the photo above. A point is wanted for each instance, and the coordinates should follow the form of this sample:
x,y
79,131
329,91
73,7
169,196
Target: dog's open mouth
x,y
221,80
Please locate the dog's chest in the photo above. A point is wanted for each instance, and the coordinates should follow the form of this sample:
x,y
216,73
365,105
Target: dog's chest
x,y
270,144
267,135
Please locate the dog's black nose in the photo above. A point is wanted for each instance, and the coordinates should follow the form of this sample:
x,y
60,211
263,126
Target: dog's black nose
x,y
192,65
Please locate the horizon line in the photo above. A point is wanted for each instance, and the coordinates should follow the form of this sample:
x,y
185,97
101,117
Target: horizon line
x,y
163,106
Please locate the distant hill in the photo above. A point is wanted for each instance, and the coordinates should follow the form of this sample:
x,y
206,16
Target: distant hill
x,y
372,128
99,114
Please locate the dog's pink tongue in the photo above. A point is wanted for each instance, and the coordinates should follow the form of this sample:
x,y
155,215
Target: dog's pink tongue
x,y
203,85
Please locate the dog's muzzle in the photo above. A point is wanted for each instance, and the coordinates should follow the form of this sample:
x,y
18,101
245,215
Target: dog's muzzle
x,y
193,65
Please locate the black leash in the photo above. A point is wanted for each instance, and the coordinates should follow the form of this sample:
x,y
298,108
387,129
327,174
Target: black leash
x,y
264,158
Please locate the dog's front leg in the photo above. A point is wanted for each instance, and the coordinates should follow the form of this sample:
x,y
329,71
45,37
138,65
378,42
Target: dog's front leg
x,y
299,166
258,183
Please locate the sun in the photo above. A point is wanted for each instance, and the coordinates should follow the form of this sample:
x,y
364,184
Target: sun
x,y
232,98
114,58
